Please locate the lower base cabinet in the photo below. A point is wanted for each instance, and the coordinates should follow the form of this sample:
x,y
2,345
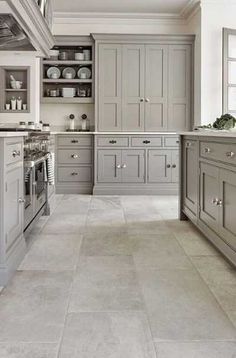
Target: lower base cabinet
x,y
216,193
136,164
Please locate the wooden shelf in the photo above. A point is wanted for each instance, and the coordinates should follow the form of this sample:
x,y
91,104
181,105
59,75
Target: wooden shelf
x,y
15,90
68,62
67,100
62,80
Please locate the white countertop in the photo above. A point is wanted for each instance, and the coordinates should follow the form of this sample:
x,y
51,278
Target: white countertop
x,y
13,134
209,133
114,133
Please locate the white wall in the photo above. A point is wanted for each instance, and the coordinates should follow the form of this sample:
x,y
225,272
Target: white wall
x,y
215,15
24,59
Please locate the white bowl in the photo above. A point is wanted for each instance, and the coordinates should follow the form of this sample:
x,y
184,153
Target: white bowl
x,y
16,84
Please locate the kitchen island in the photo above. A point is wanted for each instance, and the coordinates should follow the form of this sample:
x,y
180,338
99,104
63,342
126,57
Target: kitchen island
x,y
208,186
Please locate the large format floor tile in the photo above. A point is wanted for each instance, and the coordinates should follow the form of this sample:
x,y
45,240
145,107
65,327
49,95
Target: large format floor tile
x,y
65,224
105,283
33,306
28,350
196,350
53,253
103,335
181,307
195,244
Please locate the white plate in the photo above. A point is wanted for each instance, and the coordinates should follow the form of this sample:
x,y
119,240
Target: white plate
x,y
53,71
86,71
69,70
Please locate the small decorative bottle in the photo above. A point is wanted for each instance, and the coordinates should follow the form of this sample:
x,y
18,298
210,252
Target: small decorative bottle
x,y
13,103
72,122
19,104
84,123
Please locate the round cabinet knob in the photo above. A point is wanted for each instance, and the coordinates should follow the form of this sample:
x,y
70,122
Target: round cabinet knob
x,y
219,203
124,166
214,201
207,150
188,144
74,156
174,166
147,100
16,153
230,154
168,166
118,166
21,200
141,99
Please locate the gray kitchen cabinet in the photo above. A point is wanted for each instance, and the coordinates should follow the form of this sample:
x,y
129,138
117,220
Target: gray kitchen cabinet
x,y
120,166
211,195
12,242
133,87
156,87
175,166
74,163
179,87
190,175
109,166
143,84
159,166
109,87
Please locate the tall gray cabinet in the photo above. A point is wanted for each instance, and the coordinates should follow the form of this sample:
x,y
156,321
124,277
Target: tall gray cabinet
x,y
143,83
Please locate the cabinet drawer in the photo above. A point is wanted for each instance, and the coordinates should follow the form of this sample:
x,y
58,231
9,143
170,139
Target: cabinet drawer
x,y
113,141
146,142
14,153
74,174
75,140
74,156
171,141
224,152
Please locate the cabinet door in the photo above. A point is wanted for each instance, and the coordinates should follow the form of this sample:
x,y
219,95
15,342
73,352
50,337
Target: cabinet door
x,y
179,88
227,223
13,209
133,166
109,166
109,87
156,67
133,87
175,166
209,195
190,175
159,166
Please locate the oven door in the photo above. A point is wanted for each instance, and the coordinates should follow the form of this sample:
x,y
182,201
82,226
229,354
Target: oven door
x,y
39,188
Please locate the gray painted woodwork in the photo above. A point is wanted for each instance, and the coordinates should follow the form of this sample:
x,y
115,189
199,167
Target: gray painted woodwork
x,y
12,243
156,87
133,87
108,162
175,166
179,87
132,166
159,166
214,193
109,87
74,163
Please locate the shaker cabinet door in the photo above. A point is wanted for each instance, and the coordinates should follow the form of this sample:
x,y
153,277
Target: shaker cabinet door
x,y
190,175
133,166
109,166
109,87
179,88
227,223
175,166
133,87
209,195
156,95
13,209
159,166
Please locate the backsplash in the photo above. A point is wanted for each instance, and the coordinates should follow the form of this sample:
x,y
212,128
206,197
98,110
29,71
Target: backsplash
x,y
57,115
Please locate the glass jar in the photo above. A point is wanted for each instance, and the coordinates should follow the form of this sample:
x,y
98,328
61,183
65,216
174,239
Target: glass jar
x,y
46,127
22,125
31,125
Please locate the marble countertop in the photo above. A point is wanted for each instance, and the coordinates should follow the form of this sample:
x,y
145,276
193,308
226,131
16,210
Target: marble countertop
x,y
13,134
209,133
113,133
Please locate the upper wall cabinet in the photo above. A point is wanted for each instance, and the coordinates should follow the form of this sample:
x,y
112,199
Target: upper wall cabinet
x,y
143,85
229,71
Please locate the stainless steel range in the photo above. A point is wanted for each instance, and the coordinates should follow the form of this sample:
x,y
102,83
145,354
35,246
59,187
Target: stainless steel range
x,y
36,154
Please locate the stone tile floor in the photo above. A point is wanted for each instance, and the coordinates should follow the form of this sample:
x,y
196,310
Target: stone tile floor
x,y
119,277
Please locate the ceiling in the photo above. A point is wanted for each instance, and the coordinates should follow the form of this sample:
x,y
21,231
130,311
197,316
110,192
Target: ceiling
x,y
121,6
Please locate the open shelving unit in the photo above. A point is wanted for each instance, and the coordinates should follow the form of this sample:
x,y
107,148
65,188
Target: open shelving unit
x,y
20,73
71,46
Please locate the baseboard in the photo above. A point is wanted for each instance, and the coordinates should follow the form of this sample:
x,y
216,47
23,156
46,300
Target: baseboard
x,y
135,189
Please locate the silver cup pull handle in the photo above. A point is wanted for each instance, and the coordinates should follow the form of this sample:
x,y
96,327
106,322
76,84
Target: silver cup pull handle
x,y
118,166
74,156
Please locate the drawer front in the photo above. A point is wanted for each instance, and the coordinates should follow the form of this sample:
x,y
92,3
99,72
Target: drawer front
x,y
14,153
74,156
74,174
171,141
219,151
113,141
75,140
146,142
